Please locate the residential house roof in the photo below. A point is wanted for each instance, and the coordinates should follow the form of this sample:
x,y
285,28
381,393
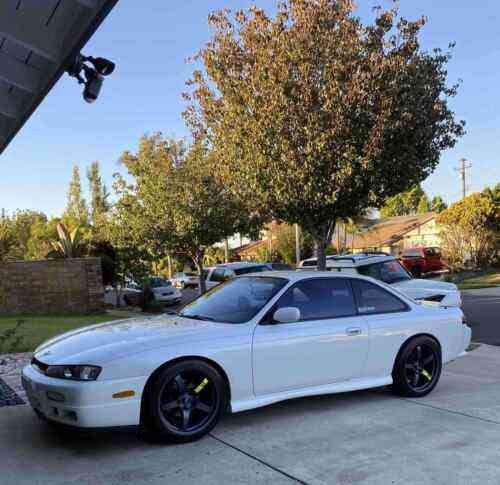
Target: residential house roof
x,y
390,230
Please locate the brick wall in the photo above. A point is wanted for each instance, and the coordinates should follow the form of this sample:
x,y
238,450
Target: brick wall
x,y
59,286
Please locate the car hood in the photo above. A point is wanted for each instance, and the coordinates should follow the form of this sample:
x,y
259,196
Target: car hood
x,y
104,342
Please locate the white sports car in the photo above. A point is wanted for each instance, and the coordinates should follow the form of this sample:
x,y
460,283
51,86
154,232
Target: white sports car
x,y
254,340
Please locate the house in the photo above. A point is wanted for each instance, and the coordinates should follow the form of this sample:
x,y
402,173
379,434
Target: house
x,y
393,234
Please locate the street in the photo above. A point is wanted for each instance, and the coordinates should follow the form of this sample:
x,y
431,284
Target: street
x,y
482,309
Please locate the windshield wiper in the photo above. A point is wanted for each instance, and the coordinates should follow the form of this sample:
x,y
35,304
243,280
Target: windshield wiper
x,y
198,317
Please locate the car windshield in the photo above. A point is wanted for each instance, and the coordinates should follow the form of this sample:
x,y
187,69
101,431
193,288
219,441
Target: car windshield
x,y
410,253
236,301
388,271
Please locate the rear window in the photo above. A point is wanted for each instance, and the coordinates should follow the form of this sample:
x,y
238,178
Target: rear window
x,y
251,269
372,299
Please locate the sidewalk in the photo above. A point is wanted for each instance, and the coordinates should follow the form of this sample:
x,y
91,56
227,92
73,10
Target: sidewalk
x,y
365,438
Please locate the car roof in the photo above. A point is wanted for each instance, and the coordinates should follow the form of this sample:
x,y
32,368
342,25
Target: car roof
x,y
240,265
302,275
352,260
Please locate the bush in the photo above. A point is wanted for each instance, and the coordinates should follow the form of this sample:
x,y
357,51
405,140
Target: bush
x,y
469,232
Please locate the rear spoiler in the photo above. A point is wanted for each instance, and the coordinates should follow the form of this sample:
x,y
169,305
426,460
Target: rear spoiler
x,y
444,301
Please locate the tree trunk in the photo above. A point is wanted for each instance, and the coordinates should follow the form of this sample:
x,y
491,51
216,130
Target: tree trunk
x,y
199,266
226,250
321,255
297,244
169,265
323,238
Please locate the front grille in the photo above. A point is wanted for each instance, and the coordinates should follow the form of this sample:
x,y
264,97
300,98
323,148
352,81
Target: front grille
x,y
39,365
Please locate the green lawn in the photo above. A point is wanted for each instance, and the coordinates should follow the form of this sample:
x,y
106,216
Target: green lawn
x,y
34,330
489,280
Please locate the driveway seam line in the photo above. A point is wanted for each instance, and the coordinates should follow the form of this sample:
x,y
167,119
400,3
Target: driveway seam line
x,y
259,460
458,413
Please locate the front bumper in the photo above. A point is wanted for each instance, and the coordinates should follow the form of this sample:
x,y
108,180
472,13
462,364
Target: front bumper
x,y
85,404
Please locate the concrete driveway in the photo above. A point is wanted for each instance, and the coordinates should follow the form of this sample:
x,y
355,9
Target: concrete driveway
x,y
369,437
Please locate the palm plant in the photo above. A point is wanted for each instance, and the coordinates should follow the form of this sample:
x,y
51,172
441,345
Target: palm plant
x,y
68,245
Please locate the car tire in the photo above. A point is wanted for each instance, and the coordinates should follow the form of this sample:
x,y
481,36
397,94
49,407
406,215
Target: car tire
x,y
416,271
185,401
417,368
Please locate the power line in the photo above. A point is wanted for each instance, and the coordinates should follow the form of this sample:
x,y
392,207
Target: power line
x,y
462,171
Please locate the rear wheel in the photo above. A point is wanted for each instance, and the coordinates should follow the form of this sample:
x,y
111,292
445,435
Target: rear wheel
x,y
418,367
186,401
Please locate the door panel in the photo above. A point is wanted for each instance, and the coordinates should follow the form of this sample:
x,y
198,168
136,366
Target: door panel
x,y
302,354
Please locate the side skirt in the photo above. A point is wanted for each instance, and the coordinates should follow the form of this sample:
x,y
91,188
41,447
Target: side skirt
x,y
346,386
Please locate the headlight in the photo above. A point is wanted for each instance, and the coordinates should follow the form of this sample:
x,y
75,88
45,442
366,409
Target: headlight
x,y
74,372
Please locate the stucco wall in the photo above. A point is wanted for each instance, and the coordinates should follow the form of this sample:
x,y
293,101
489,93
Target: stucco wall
x,y
425,235
62,286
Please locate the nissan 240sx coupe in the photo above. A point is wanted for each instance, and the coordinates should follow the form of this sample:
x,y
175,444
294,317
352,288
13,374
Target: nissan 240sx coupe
x,y
254,340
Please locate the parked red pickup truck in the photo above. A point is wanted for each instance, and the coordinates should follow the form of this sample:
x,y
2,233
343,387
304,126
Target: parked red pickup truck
x,y
422,260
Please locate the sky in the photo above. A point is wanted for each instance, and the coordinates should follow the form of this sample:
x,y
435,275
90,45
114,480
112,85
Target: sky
x,y
150,42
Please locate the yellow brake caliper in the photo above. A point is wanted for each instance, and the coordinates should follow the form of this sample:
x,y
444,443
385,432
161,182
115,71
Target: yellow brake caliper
x,y
426,375
201,386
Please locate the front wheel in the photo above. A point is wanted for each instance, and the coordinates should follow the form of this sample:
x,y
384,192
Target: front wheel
x,y
418,367
186,401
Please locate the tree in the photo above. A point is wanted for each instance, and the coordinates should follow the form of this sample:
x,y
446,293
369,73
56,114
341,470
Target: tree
x,y
403,204
76,210
174,206
7,238
284,244
424,205
438,204
313,116
469,231
99,194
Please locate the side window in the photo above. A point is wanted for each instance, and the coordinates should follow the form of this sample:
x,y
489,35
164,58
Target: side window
x,y
320,298
228,274
218,275
373,299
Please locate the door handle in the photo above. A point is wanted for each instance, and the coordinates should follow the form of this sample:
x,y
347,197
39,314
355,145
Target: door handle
x,y
353,331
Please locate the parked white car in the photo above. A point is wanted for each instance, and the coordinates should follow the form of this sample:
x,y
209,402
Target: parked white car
x,y
184,280
163,292
388,269
252,341
215,275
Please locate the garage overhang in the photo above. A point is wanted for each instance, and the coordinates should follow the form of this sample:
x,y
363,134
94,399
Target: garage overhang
x,y
38,40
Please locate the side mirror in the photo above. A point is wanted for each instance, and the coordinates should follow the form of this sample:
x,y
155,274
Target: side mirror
x,y
286,315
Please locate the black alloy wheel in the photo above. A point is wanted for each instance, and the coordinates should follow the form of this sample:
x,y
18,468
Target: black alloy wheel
x,y
186,401
418,367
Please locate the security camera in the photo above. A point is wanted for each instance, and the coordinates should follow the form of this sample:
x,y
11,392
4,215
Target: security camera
x,y
92,76
102,66
92,88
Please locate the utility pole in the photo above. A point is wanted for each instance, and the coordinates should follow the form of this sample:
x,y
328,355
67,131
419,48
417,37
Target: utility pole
x,y
462,171
297,244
